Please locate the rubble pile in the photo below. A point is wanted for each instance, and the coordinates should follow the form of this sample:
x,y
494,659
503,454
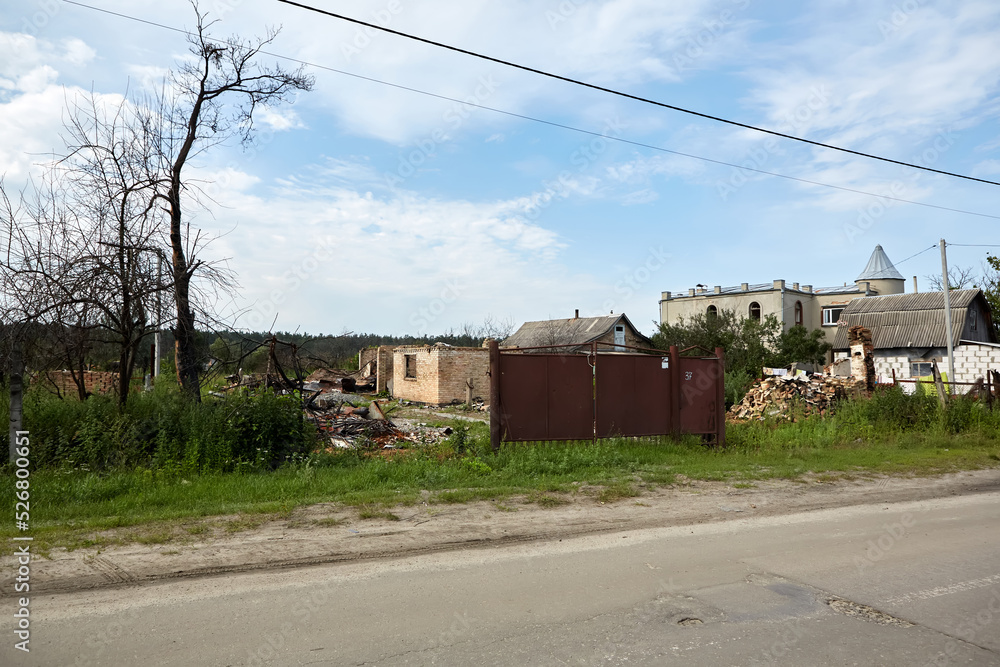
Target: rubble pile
x,y
347,426
786,397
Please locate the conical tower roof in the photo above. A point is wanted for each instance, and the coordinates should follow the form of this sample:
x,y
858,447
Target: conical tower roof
x,y
880,268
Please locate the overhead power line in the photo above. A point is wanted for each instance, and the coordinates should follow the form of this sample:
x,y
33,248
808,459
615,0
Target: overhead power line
x,y
555,124
633,97
933,247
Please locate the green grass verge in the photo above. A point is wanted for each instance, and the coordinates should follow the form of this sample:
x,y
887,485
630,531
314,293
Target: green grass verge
x,y
69,506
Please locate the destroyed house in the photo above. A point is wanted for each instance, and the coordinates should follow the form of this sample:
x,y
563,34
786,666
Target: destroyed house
x,y
577,333
791,304
440,374
909,332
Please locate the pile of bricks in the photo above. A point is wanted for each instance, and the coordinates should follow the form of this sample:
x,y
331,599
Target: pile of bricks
x,y
789,397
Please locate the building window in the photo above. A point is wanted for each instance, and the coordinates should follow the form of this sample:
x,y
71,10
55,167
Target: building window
x,y
712,311
411,366
831,316
921,369
975,318
755,311
798,313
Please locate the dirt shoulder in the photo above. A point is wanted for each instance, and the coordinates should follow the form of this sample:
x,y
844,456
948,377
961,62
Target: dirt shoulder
x,y
328,533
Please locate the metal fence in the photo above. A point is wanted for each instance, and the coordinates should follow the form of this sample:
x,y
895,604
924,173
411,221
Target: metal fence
x,y
543,393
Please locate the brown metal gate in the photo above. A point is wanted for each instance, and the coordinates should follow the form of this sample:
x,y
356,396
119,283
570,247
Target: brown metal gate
x,y
540,394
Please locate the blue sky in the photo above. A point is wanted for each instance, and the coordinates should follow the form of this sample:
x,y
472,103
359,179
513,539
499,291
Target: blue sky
x,y
369,208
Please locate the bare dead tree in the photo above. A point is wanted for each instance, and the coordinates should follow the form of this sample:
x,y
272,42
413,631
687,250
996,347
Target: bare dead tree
x,y
213,98
110,169
82,248
959,277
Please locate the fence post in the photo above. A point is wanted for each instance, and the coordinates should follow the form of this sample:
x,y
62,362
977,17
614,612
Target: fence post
x,y
938,384
720,397
989,390
675,391
495,426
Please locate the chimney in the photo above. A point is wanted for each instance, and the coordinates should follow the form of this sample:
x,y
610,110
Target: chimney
x,y
576,315
744,287
915,290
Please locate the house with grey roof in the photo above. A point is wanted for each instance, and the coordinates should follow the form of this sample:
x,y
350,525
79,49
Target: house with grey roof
x,y
909,332
577,333
790,303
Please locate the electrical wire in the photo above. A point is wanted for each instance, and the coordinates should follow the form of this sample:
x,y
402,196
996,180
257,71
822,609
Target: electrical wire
x,y
912,256
637,98
555,124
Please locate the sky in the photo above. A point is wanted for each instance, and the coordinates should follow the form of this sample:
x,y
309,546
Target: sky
x,y
389,200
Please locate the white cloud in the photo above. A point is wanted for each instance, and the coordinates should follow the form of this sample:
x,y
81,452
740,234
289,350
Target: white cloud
x,y
370,261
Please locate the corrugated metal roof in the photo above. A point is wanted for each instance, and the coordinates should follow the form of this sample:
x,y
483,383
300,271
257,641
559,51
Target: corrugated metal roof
x,y
919,301
879,267
570,332
906,320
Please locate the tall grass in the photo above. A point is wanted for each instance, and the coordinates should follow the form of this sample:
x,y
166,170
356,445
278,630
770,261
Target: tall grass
x,y
163,430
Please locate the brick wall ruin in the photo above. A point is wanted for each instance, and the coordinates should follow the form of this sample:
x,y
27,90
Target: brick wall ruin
x,y
440,373
97,382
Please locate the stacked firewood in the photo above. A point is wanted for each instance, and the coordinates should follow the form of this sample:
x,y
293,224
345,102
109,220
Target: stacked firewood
x,y
789,397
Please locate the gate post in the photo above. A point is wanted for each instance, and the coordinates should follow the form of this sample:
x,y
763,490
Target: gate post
x,y
674,378
495,426
720,397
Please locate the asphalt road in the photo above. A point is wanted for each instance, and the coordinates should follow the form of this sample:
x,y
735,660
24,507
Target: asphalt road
x,y
914,583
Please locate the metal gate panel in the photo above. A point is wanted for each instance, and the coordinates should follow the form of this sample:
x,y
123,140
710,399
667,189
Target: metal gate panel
x,y
700,392
633,395
546,397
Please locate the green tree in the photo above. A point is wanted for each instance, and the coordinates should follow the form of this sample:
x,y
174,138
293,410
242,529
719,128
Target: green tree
x,y
749,344
798,344
991,288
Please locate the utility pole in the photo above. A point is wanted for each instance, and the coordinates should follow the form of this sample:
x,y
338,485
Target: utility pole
x,y
947,312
